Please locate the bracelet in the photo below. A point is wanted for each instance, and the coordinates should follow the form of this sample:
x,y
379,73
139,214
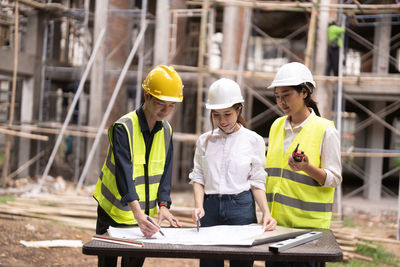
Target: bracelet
x,y
164,204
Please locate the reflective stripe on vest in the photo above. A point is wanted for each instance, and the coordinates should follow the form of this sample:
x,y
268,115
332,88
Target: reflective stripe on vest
x,y
294,198
106,191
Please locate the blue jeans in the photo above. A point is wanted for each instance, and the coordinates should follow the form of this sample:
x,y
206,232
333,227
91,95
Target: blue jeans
x,y
228,210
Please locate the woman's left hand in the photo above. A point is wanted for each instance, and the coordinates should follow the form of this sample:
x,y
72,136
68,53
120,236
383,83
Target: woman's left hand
x,y
165,214
298,166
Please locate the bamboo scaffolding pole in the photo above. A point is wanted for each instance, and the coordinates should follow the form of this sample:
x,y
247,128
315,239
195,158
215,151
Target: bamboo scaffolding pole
x,y
311,35
26,165
24,135
200,63
110,105
69,131
138,98
14,88
90,133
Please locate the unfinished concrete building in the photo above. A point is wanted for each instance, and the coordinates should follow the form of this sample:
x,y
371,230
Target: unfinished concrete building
x,y
58,86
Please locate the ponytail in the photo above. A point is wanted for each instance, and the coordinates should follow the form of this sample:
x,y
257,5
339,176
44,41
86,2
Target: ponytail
x,y
308,100
312,104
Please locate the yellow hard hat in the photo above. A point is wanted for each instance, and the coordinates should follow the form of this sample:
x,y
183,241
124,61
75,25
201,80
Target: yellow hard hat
x,y
164,83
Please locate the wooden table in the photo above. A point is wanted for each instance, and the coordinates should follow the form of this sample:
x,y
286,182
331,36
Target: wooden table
x,y
322,250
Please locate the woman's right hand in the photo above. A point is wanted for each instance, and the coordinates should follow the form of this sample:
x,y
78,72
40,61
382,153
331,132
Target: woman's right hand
x,y
197,214
148,228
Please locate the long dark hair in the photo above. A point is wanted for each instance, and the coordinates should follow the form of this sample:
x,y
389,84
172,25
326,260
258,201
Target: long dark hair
x,y
240,118
308,100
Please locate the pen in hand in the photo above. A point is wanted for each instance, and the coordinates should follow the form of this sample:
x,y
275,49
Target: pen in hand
x,y
150,220
198,222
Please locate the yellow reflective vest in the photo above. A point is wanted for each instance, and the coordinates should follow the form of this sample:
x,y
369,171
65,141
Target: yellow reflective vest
x,y
294,198
106,191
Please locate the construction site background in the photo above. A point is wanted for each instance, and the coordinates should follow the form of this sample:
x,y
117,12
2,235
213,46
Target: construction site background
x,y
69,68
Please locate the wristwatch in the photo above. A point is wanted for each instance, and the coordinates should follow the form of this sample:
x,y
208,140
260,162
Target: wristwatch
x,y
164,204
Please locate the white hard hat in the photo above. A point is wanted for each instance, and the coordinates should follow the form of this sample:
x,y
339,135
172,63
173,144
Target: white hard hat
x,y
223,93
292,74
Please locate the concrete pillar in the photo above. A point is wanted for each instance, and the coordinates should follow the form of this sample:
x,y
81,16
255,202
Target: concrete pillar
x,y
375,139
161,38
376,134
96,86
24,149
382,43
230,32
30,98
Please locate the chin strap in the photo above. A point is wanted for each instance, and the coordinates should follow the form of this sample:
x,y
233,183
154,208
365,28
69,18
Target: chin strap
x,y
231,130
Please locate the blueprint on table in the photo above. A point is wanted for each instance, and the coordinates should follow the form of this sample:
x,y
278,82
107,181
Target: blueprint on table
x,y
239,235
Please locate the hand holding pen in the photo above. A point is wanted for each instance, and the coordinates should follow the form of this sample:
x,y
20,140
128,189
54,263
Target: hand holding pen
x,y
154,223
197,214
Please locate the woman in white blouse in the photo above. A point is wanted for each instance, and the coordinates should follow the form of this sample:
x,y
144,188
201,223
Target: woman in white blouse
x,y
228,173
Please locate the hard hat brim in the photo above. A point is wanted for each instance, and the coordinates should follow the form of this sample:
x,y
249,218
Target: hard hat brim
x,y
273,85
169,98
222,106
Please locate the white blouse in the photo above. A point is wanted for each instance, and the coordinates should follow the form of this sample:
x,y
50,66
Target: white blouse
x,y
330,150
229,163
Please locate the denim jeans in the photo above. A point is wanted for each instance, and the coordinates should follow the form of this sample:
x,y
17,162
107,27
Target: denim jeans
x,y
228,210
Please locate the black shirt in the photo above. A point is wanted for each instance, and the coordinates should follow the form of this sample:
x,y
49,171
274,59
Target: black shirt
x,y
124,167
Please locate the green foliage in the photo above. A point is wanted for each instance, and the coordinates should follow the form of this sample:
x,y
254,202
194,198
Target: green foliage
x,y
6,199
397,162
348,222
379,255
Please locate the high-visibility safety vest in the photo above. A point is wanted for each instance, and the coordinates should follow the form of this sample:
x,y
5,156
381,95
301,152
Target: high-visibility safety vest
x,y
294,198
146,181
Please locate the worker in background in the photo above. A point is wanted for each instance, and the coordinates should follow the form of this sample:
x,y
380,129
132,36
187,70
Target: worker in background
x,y
136,175
334,43
300,188
228,172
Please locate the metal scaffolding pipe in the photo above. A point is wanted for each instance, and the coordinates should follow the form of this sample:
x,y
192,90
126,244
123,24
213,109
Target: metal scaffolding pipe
x,y
110,105
71,110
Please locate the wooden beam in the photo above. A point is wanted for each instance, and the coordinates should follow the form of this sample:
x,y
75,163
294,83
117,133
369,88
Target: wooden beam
x,y
347,80
24,135
311,35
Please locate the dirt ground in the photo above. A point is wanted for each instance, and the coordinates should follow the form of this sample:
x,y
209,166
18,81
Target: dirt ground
x,y
13,229
13,253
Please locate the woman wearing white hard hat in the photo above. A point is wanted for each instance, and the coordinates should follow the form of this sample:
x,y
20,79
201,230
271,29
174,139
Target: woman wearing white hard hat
x,y
228,173
300,186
